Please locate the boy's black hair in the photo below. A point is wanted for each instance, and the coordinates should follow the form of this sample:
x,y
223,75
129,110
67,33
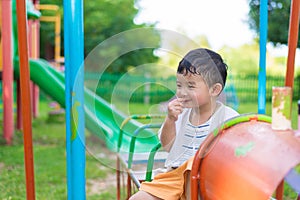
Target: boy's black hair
x,y
206,63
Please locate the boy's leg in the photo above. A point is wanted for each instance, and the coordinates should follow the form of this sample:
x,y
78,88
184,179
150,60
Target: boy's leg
x,y
169,185
143,195
187,186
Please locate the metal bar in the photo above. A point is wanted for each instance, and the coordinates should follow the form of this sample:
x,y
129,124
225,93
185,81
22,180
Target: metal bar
x,y
68,101
132,142
7,75
292,42
133,139
35,55
56,19
151,161
263,24
279,191
25,98
48,18
73,22
137,116
128,186
118,172
47,7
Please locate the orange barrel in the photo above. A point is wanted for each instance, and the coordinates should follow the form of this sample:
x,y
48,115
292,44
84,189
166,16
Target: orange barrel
x,y
248,160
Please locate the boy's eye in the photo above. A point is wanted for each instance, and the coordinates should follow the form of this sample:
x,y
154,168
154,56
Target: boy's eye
x,y
191,86
178,85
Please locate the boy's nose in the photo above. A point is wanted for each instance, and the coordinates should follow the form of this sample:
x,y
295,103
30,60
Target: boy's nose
x,y
181,93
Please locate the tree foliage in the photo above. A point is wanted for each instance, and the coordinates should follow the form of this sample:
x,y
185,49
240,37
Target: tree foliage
x,y
278,19
102,20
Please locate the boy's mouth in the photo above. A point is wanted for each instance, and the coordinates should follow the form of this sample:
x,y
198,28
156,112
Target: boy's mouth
x,y
185,101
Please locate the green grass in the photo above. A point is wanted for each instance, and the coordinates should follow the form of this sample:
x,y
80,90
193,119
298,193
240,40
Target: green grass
x,y
49,163
50,158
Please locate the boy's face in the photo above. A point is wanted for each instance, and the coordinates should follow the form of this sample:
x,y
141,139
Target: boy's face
x,y
192,90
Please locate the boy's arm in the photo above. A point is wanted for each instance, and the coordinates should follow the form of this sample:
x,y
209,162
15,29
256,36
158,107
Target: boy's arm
x,y
168,130
168,133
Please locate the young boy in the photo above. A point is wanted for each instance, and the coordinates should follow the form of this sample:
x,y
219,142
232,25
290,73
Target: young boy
x,y
201,77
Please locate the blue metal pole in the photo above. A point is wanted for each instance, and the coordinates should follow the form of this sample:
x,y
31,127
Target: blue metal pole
x,y
75,141
263,24
68,98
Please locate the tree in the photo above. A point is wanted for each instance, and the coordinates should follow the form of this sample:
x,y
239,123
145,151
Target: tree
x,y
278,19
102,20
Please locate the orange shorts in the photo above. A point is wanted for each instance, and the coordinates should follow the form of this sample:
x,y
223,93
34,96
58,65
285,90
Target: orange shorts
x,y
169,185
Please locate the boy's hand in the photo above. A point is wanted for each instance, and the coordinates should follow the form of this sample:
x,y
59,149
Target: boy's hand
x,y
175,108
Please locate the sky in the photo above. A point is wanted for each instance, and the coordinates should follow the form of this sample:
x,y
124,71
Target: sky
x,y
224,22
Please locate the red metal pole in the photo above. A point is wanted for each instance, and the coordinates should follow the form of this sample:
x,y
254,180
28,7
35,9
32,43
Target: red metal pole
x,y
7,74
25,98
128,186
292,42
118,179
280,190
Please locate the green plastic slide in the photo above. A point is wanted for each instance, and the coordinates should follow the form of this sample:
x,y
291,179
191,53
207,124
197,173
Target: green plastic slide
x,y
100,118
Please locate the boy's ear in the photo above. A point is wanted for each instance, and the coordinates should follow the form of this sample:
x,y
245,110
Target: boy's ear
x,y
216,89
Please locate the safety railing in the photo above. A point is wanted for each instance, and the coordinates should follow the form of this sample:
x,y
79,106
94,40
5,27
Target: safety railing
x,y
130,157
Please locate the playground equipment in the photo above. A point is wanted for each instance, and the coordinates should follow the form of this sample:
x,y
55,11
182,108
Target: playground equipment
x,y
7,72
143,160
249,144
25,93
7,62
235,161
100,119
57,113
56,19
245,144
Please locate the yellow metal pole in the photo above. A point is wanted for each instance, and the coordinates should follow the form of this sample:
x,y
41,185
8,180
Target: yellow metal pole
x,y
57,38
57,20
